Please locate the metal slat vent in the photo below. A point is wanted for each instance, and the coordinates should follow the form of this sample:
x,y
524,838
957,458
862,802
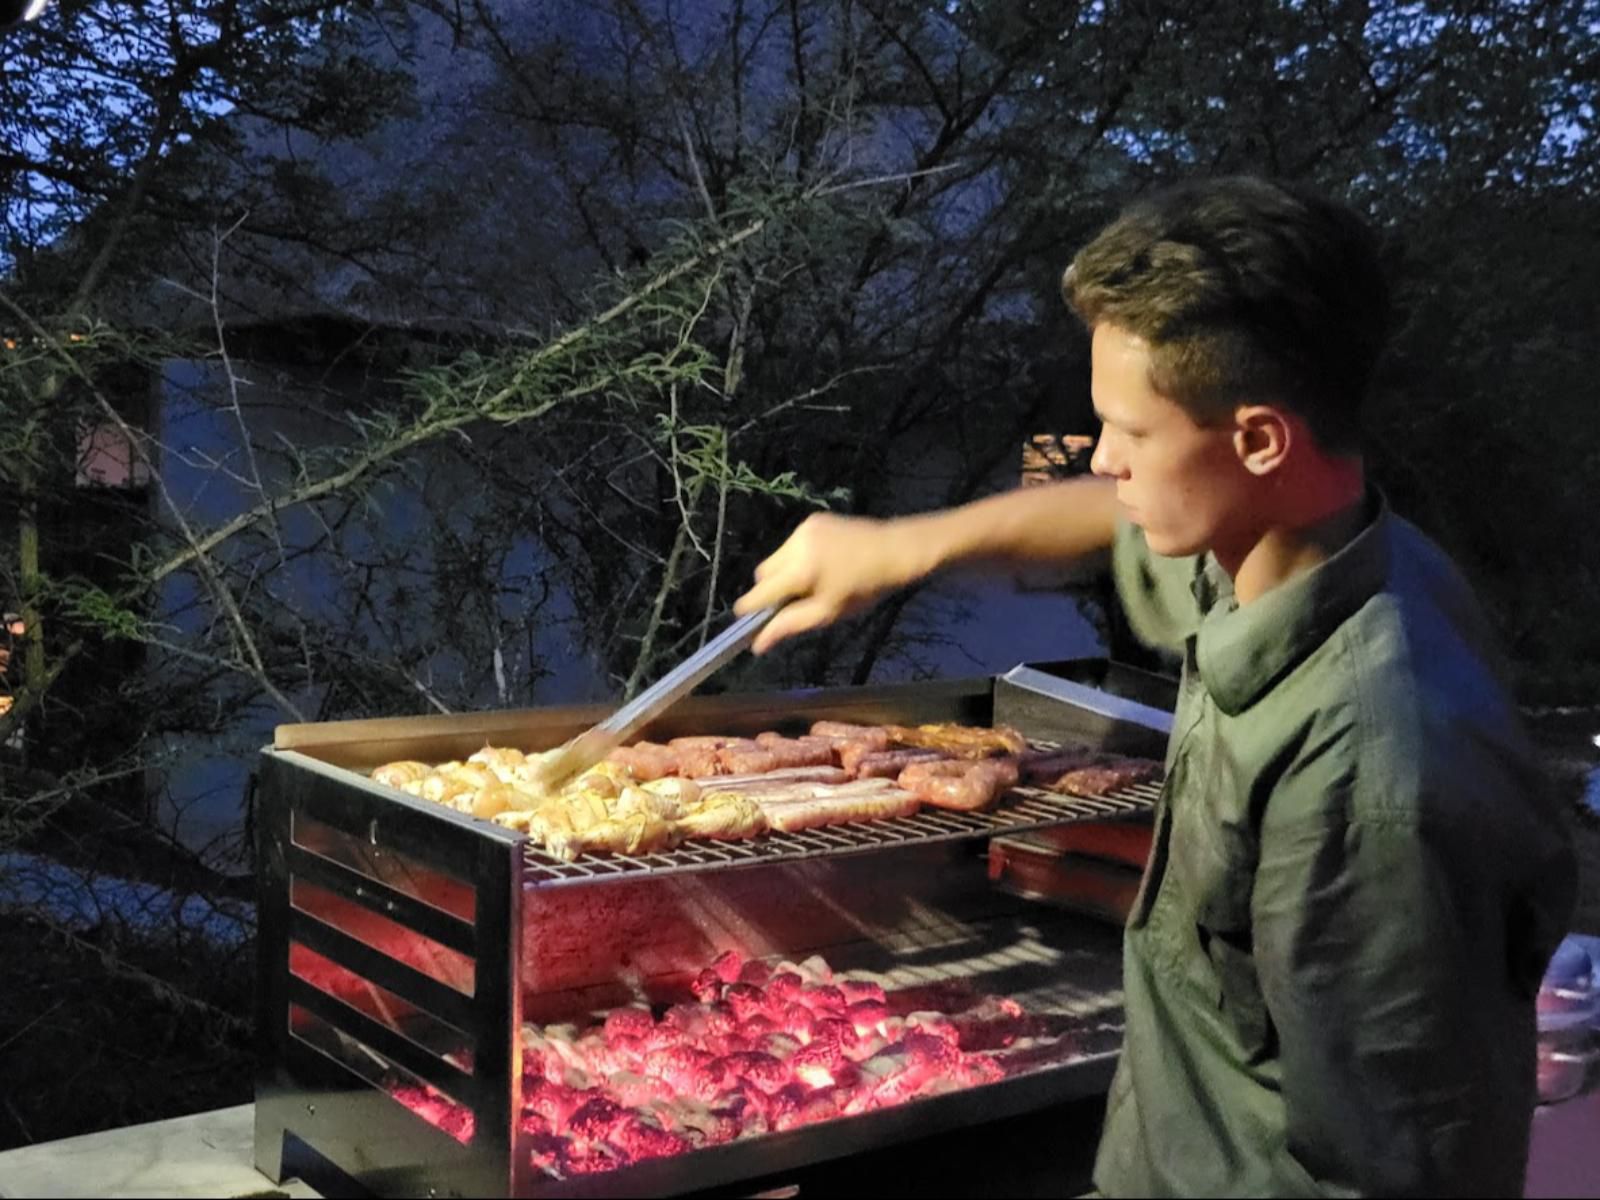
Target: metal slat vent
x,y
1022,809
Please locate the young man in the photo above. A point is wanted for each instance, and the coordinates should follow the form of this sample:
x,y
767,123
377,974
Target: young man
x,y
1357,876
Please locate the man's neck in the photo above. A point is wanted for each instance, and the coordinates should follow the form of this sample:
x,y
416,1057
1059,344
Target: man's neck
x,y
1306,529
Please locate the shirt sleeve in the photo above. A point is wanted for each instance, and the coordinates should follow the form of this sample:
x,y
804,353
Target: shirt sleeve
x,y
1365,970
1156,592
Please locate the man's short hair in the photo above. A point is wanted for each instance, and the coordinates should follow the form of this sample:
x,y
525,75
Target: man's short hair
x,y
1246,291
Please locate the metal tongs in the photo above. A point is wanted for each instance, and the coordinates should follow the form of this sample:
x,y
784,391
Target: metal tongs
x,y
593,744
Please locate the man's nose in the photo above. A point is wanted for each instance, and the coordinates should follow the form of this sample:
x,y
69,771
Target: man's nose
x,y
1104,459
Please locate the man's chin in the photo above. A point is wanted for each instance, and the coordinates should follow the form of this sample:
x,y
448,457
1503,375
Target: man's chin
x,y
1167,545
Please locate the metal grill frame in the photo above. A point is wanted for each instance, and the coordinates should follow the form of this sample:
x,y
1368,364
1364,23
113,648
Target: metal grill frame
x,y
318,771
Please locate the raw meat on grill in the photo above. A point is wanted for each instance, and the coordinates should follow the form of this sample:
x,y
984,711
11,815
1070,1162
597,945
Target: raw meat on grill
x,y
1044,767
863,800
782,777
702,741
887,764
746,786
960,741
799,752
968,786
852,752
647,760
747,757
1103,778
845,730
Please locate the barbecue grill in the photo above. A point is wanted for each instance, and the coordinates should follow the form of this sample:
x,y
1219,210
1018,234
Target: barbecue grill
x,y
404,947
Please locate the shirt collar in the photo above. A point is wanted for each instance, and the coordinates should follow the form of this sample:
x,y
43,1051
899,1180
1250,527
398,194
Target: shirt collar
x,y
1240,652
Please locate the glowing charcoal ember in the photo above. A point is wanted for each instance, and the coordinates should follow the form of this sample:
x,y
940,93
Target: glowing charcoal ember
x,y
858,990
707,986
785,987
721,1020
932,1050
777,1043
595,1119
756,973
835,1032
678,1066
746,1000
823,999
438,1110
819,1105
738,1044
699,1123
815,970
746,1107
784,1105
634,1021
763,1049
554,1102
796,1019
846,1078
757,1027
937,1024
636,1091
870,1045
640,1139
867,1016
602,1058
685,1021
903,1070
818,1056
762,1070
532,1123
546,1152
980,1068
813,1075
591,1158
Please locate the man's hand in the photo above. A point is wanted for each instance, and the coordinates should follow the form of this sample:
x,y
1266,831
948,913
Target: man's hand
x,y
834,566
831,567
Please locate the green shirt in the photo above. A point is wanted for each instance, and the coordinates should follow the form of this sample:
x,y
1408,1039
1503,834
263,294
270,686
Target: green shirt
x,y
1357,879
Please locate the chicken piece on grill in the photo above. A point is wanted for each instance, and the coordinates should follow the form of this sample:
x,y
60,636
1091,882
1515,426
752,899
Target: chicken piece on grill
x,y
684,794
398,774
639,801
638,833
961,741
493,800
502,760
474,774
723,815
446,789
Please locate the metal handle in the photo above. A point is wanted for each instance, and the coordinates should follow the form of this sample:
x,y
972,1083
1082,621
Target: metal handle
x,y
686,676
589,747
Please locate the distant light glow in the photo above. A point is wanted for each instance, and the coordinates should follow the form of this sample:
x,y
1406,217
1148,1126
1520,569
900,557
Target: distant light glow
x,y
1596,739
35,7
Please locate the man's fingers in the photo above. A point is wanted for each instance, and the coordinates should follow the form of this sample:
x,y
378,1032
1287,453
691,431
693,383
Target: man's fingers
x,y
796,618
766,592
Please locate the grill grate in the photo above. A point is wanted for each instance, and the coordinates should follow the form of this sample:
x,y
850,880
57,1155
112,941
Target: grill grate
x,y
1022,809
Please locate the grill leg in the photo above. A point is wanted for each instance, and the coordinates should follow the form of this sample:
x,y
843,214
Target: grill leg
x,y
270,1134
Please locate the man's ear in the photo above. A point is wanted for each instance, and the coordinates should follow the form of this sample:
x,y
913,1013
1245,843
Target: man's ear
x,y
1262,437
